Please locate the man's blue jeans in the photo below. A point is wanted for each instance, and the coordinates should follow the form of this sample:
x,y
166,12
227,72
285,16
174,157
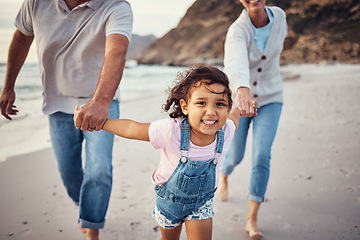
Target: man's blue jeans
x,y
89,186
264,129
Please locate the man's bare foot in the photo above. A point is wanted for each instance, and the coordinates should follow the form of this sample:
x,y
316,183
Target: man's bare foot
x,y
92,234
253,231
223,187
82,230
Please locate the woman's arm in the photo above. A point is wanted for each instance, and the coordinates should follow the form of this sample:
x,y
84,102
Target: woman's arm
x,y
128,129
236,64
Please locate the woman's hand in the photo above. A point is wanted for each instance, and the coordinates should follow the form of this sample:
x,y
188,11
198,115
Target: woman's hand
x,y
245,103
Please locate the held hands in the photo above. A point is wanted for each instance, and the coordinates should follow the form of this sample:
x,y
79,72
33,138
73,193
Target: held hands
x,y
90,116
7,106
245,103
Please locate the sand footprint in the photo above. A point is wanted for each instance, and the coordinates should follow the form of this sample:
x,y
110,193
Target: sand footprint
x,y
287,226
345,172
26,230
235,217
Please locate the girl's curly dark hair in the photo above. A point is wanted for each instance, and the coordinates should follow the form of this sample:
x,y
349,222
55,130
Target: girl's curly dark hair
x,y
188,79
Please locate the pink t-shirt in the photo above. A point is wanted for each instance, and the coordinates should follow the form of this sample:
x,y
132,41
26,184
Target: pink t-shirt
x,y
165,135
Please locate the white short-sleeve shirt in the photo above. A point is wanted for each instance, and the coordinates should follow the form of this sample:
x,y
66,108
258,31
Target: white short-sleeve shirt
x,y
71,45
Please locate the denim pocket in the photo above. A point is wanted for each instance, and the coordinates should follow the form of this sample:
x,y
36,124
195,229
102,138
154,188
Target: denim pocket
x,y
192,185
160,191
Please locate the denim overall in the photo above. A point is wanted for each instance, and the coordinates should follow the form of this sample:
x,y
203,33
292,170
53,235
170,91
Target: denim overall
x,y
191,184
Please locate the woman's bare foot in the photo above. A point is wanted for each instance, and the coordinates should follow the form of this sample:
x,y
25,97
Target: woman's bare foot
x,y
253,231
223,187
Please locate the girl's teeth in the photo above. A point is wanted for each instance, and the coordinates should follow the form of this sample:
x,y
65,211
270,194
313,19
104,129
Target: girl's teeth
x,y
208,122
253,1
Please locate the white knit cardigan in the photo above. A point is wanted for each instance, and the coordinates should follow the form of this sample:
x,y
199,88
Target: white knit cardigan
x,y
247,66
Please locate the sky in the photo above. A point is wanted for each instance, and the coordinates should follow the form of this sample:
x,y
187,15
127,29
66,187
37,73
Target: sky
x,y
155,17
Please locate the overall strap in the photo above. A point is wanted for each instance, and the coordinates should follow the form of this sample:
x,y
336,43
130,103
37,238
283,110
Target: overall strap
x,y
220,141
184,137
219,144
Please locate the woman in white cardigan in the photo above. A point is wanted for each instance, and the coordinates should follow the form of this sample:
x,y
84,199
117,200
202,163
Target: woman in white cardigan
x,y
252,62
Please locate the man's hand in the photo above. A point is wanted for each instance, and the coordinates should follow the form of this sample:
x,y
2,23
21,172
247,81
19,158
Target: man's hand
x,y
245,103
7,106
91,116
18,50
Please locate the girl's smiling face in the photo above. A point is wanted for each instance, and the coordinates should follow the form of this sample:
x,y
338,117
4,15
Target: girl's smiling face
x,y
207,110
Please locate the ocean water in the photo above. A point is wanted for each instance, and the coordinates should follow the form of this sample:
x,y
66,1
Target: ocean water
x,y
28,131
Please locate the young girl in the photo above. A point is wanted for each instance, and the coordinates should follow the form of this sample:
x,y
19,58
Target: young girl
x,y
193,142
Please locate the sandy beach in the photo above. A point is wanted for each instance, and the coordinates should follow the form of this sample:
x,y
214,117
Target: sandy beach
x,y
313,193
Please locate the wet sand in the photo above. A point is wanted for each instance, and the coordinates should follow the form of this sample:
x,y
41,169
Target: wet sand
x,y
313,193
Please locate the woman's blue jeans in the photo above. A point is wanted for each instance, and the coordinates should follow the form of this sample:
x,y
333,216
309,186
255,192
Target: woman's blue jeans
x,y
89,186
264,129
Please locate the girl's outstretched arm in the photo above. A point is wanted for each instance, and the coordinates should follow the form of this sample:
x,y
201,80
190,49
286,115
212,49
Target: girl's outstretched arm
x,y
127,128
234,116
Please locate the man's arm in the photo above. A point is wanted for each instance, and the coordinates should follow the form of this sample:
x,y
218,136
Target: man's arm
x,y
18,51
93,114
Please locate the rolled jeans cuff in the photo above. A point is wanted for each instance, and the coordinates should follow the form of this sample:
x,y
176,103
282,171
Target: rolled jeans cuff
x,y
256,198
85,224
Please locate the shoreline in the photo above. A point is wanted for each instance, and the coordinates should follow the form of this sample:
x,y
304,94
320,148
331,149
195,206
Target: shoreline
x,y
34,135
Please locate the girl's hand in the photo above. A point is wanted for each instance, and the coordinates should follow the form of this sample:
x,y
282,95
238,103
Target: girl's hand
x,y
245,103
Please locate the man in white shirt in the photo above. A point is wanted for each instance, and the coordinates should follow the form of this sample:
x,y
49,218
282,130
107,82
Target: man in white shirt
x,y
81,46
